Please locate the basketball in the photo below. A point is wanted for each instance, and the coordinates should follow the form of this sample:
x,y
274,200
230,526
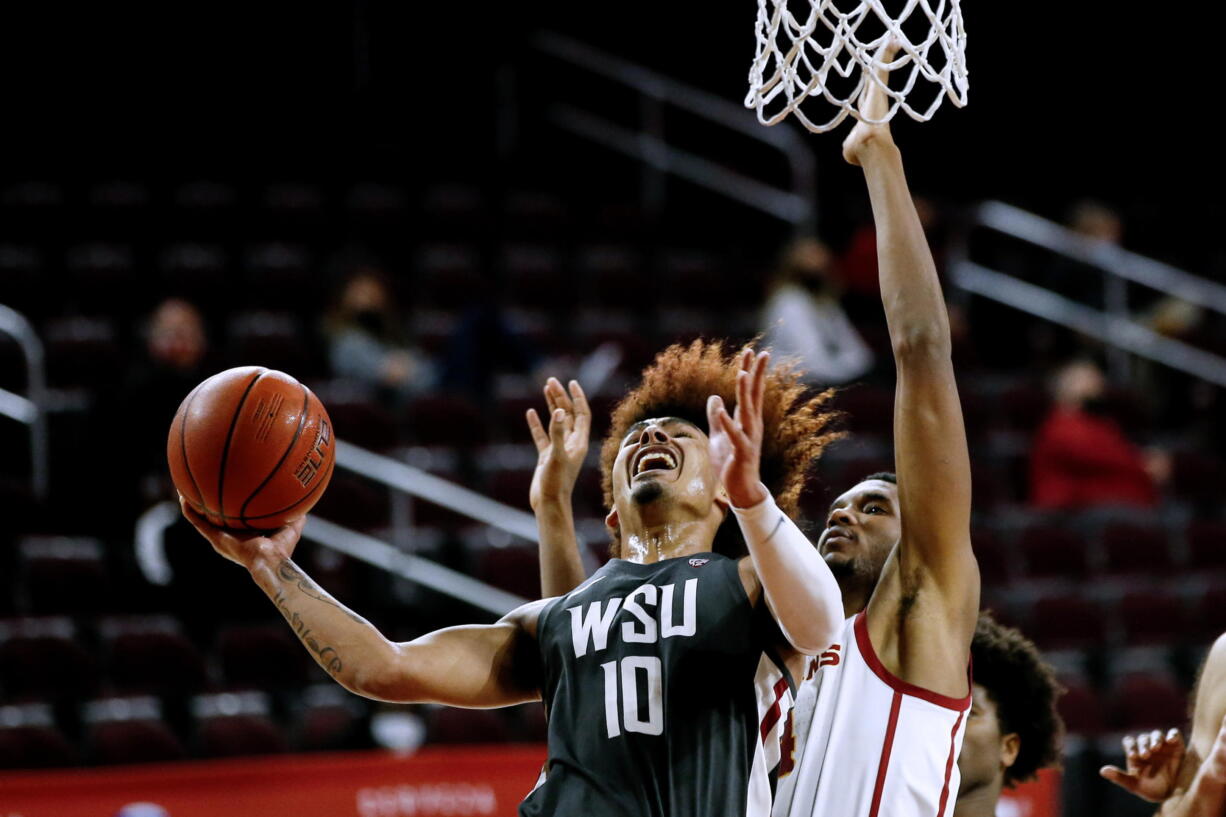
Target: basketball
x,y
251,449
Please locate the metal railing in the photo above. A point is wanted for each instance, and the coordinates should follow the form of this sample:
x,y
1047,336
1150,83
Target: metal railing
x,y
152,525
796,205
30,409
1113,325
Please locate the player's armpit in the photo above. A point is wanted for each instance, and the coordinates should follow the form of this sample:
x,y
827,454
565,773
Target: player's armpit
x,y
474,666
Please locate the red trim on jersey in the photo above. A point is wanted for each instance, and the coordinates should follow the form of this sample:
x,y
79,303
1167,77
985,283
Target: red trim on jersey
x,y
886,747
775,712
899,685
949,764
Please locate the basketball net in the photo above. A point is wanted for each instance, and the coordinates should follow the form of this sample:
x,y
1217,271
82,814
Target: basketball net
x,y
830,55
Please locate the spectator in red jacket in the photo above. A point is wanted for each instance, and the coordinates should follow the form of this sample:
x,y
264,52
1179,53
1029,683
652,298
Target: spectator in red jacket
x,y
1080,457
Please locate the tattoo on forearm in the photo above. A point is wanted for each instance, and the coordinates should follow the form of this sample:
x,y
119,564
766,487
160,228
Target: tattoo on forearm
x,y
288,572
326,656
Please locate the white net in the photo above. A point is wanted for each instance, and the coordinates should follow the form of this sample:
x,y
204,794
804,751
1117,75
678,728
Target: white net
x,y
830,53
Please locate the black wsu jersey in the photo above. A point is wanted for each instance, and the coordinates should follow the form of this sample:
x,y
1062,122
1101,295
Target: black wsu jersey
x,y
665,694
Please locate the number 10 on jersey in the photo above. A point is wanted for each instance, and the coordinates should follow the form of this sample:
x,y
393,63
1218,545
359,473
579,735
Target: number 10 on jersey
x,y
626,675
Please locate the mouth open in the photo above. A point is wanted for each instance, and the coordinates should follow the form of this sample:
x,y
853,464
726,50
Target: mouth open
x,y
654,460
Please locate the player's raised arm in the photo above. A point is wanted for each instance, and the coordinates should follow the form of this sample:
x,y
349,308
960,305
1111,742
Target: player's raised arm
x,y
930,450
800,590
560,454
476,666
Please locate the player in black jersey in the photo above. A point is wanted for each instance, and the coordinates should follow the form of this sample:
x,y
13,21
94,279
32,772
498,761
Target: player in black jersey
x,y
663,674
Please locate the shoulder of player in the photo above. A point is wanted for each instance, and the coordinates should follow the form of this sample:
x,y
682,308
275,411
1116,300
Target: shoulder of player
x,y
924,602
525,616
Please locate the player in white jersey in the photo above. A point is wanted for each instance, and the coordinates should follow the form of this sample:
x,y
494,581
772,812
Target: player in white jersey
x,y
879,724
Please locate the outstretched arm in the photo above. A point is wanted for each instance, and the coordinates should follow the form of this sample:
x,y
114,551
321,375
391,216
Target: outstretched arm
x,y
800,590
475,666
930,451
560,454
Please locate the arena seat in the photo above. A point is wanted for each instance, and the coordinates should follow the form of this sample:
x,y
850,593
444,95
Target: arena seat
x,y
82,351
445,419
236,725
42,658
1065,621
129,730
266,656
276,339
35,747
1140,701
996,560
613,276
24,284
282,276
1135,549
150,654
515,568
332,719
448,276
63,575
1153,617
536,214
1081,706
448,725
535,277
1206,546
1050,550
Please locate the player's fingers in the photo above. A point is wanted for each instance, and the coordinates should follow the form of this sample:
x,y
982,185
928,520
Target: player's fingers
x,y
759,382
290,533
1143,745
1130,746
538,431
583,412
557,429
1119,777
560,398
733,429
1175,738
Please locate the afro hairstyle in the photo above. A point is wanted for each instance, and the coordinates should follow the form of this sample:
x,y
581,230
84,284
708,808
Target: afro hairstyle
x,y
1024,689
796,422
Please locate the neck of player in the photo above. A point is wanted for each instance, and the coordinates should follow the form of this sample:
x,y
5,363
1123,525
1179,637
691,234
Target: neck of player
x,y
979,801
648,541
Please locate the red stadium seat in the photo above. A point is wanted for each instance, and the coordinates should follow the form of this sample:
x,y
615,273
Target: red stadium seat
x,y
1153,617
1065,621
35,747
515,568
41,658
1134,549
63,576
448,725
1142,701
240,736
266,656
151,655
82,352
1081,707
1052,551
1206,544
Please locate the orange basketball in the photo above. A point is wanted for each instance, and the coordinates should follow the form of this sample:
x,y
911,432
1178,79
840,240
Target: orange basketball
x,y
251,448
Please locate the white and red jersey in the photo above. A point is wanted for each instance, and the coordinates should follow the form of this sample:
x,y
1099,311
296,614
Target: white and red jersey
x,y
865,743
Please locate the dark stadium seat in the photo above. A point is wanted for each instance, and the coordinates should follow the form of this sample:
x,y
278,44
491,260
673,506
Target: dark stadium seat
x,y
358,417
448,725
1209,616
277,340
1065,620
262,656
236,725
24,286
613,276
331,719
443,419
35,747
282,276
355,502
240,736
63,575
449,276
454,211
82,352
515,568
102,278
1050,550
510,486
1206,545
1081,706
1153,617
371,204
1196,477
534,276
42,658
1024,405
150,654
34,210
1140,701
996,560
696,278
129,730
1136,549
536,214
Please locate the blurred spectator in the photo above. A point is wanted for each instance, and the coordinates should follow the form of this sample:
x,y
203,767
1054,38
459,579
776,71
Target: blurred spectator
x,y
1093,219
804,319
1081,458
368,340
176,358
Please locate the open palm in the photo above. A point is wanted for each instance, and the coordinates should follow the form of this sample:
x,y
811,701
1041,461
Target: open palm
x,y
736,440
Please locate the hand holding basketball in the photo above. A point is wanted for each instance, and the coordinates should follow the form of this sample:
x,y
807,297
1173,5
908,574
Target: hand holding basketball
x,y
246,548
736,440
874,104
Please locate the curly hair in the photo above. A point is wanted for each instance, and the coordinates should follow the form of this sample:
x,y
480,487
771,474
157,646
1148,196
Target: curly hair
x,y
1024,689
796,424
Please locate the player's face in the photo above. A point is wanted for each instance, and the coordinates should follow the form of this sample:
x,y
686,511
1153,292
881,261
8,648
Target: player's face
x,y
861,530
665,460
986,753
